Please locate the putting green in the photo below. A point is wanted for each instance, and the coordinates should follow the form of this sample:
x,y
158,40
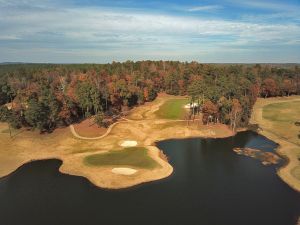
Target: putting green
x,y
173,109
133,157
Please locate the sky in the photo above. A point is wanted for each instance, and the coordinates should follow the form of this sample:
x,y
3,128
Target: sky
x,y
90,31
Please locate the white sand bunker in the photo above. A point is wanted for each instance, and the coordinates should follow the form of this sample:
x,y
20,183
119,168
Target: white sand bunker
x,y
128,143
190,106
123,171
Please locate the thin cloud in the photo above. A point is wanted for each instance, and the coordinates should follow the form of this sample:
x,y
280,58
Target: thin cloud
x,y
92,24
204,8
85,33
267,5
8,37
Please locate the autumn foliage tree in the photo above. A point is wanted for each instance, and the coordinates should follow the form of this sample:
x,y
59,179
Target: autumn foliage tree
x,y
269,87
288,87
210,112
235,113
46,96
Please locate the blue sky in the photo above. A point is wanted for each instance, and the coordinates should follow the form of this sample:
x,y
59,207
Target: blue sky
x,y
90,31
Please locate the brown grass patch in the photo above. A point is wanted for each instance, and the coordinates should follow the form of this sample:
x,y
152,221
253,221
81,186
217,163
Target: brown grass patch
x,y
88,128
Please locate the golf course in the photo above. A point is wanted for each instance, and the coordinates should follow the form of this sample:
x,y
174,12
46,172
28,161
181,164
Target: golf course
x,y
125,154
129,144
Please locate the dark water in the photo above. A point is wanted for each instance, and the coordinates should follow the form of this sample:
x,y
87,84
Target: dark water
x,y
211,185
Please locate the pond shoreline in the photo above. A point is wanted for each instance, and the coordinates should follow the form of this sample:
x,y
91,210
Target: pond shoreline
x,y
285,148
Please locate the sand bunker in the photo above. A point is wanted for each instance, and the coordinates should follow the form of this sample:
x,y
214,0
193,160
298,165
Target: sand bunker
x,y
128,143
189,106
123,171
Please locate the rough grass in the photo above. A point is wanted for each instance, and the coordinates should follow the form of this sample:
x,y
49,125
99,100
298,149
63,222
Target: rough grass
x,y
283,112
296,172
13,131
173,109
283,117
133,157
169,124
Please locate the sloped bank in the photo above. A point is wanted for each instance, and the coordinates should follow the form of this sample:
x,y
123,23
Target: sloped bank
x,y
286,148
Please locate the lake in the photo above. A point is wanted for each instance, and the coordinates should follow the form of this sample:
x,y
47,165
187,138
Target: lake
x,y
211,185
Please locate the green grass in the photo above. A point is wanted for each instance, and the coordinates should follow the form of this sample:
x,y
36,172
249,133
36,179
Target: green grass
x,y
283,117
283,112
173,109
133,156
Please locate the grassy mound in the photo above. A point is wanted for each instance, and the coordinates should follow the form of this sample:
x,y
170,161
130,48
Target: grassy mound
x,y
283,116
133,156
173,109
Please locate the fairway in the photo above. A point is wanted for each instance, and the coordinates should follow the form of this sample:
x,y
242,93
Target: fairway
x,y
283,117
133,156
173,109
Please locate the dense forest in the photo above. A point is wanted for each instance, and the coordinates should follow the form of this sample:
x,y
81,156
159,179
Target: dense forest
x,y
46,96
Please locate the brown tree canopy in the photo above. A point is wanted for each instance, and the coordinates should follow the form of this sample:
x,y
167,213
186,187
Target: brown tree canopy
x,y
209,110
58,95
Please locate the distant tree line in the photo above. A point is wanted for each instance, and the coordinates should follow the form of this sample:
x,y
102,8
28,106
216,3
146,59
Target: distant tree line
x,y
45,96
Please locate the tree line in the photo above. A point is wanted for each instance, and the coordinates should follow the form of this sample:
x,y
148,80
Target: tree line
x,y
46,96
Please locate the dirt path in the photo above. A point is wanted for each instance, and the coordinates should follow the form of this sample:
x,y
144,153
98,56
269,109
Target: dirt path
x,y
287,148
73,131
